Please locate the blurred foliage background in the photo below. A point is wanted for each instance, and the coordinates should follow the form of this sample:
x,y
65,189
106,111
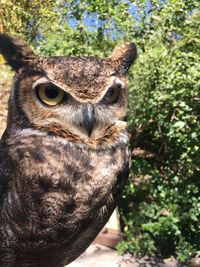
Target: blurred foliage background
x,y
160,207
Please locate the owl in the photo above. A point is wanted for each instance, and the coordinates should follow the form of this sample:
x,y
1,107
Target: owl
x,y
64,158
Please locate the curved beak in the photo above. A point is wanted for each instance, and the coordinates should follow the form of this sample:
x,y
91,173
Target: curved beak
x,y
88,122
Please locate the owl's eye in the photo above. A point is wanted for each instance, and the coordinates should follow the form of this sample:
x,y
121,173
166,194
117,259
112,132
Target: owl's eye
x,y
50,94
112,95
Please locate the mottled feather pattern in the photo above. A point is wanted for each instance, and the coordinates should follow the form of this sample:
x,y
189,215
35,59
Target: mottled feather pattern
x,y
62,167
67,190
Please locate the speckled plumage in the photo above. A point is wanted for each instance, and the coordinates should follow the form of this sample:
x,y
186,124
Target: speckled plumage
x,y
59,184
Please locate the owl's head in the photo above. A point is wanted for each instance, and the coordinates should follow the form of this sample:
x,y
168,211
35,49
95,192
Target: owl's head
x,y
78,99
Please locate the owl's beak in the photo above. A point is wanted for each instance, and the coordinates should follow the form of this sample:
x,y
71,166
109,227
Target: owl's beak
x,y
88,123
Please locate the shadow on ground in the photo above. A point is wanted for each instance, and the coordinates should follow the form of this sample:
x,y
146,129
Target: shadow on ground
x,y
100,256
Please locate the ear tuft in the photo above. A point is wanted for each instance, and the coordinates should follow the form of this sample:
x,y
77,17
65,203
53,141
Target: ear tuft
x,y
125,55
15,51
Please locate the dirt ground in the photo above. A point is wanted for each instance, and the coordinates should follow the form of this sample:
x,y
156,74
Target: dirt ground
x,y
101,256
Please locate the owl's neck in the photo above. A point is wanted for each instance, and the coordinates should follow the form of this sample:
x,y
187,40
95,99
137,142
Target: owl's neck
x,y
113,136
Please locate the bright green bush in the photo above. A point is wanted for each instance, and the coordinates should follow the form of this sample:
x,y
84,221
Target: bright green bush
x,y
161,203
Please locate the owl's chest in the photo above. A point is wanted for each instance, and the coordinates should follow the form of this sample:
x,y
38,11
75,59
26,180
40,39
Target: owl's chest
x,y
57,199
80,185
60,191
63,171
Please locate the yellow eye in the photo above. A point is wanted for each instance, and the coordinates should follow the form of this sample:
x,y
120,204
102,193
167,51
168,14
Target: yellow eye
x,y
112,95
50,94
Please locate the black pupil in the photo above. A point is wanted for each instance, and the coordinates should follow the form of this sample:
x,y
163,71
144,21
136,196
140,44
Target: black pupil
x,y
51,91
110,93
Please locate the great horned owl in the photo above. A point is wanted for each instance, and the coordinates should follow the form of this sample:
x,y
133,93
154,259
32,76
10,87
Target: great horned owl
x,y
63,157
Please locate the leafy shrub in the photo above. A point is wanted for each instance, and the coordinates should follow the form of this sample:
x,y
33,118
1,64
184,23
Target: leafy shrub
x,y
161,203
